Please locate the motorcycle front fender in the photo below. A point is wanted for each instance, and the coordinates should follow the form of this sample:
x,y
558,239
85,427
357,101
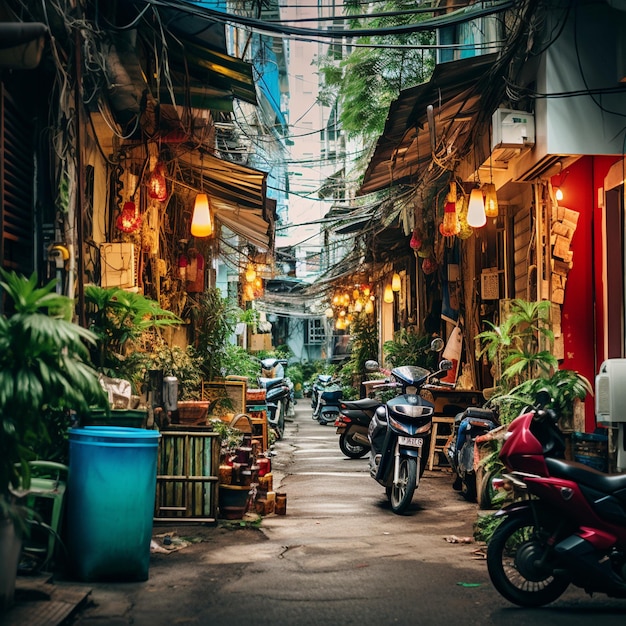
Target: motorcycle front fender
x,y
514,509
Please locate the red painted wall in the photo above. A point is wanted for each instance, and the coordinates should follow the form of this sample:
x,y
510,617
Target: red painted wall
x,y
582,309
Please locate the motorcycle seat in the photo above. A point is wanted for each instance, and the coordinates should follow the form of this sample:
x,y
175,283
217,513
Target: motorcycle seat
x,y
589,476
485,414
360,405
268,383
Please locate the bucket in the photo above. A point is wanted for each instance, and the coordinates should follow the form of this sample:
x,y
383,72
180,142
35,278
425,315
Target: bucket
x,y
111,492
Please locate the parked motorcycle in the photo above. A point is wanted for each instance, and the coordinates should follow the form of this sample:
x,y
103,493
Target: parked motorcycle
x,y
353,424
278,393
327,408
400,431
570,530
468,425
321,382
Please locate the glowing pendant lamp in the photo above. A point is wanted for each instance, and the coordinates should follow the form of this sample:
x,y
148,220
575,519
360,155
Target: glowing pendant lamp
x,y
201,222
491,200
476,217
388,296
396,282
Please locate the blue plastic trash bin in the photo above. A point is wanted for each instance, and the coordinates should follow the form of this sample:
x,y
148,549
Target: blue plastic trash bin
x,y
110,501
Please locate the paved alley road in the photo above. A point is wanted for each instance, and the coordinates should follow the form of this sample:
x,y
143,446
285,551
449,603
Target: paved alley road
x,y
339,556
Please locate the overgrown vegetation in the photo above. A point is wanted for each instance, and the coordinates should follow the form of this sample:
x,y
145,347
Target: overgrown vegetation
x,y
410,348
366,81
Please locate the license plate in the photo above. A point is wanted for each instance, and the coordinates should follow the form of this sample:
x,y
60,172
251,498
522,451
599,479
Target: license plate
x,y
411,442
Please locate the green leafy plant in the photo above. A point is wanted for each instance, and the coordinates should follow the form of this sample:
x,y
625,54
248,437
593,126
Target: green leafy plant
x,y
121,321
410,348
485,526
516,346
183,363
213,323
564,387
239,362
45,369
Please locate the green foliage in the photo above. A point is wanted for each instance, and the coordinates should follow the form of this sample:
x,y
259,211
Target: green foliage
x,y
410,348
515,346
121,320
370,78
563,387
485,526
364,338
214,319
238,362
44,369
183,363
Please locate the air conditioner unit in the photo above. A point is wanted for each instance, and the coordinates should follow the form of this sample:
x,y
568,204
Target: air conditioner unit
x,y
611,392
117,265
512,129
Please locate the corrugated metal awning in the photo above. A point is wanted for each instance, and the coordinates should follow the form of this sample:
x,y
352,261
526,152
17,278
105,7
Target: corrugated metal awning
x,y
404,149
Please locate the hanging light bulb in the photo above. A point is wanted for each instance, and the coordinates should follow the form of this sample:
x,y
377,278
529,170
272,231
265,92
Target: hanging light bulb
x,y
336,300
396,283
558,194
491,200
201,222
388,296
329,313
476,217
369,307
355,294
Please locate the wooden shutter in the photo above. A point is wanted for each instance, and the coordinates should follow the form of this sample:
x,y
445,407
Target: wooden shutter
x,y
16,187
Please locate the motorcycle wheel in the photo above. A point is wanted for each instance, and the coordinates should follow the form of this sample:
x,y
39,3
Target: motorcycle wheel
x,y
400,495
279,427
487,492
350,449
468,487
514,554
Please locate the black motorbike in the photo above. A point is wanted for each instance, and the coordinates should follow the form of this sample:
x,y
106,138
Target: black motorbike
x,y
399,433
353,424
468,425
326,410
278,394
321,382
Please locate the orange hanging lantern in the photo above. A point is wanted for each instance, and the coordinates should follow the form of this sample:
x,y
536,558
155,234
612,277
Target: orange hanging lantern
x,y
451,224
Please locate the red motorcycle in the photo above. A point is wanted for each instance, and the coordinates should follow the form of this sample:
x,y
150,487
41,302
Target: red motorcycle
x,y
571,529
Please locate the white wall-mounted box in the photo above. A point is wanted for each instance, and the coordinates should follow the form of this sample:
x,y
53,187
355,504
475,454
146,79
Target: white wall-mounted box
x,y
611,392
512,129
117,265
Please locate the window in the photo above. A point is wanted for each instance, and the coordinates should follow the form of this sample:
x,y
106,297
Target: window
x,y
315,331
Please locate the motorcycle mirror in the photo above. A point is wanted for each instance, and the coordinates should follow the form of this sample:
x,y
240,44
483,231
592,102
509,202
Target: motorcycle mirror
x,y
445,365
437,344
372,366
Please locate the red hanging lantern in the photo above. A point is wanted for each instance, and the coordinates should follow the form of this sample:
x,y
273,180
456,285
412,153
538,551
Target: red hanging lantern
x,y
129,219
157,185
416,240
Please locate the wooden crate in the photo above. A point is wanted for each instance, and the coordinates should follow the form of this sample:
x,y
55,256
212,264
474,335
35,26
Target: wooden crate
x,y
187,474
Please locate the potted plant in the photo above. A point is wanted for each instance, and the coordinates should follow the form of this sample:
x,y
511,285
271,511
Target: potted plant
x,y
44,366
121,321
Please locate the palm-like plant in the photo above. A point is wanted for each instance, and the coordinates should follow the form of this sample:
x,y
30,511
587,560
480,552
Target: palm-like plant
x,y
514,346
44,366
119,319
